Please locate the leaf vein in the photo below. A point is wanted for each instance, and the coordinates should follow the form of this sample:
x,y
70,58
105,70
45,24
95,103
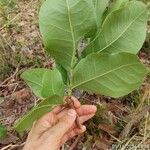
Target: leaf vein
x,y
127,65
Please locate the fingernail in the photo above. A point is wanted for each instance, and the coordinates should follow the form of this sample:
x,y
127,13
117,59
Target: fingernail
x,y
72,112
83,128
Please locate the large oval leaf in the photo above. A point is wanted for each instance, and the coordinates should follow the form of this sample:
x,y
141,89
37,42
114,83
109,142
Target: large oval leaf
x,y
121,30
44,82
44,107
63,23
100,7
52,84
109,74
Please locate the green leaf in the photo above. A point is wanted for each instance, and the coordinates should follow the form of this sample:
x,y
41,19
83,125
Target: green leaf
x,y
53,100
112,75
44,82
63,72
26,122
52,84
62,24
121,30
100,6
42,108
34,79
117,4
3,132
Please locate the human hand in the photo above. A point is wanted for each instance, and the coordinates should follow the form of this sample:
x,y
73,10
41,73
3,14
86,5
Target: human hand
x,y
55,128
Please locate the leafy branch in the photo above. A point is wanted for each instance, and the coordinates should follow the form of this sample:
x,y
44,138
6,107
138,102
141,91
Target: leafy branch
x,y
108,64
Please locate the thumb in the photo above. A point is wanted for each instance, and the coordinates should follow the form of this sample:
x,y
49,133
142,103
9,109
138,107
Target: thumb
x,y
65,123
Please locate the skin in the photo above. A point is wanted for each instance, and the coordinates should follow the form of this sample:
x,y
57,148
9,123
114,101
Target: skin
x,y
55,128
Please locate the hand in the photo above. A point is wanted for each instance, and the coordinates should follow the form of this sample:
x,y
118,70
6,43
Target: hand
x,y
55,128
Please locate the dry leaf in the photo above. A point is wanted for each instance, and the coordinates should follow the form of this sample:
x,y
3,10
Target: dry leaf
x,y
107,128
21,95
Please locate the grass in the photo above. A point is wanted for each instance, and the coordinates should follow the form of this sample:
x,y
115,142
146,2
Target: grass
x,y
16,46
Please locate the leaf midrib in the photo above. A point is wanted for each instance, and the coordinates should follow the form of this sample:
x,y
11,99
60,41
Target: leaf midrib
x,y
122,33
81,83
72,33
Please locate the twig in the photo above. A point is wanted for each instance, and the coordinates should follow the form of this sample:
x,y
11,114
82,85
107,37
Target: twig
x,y
16,146
138,145
6,85
145,129
9,22
124,147
115,138
6,147
14,89
73,146
11,146
12,76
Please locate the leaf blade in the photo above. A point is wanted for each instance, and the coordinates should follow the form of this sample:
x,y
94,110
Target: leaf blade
x,y
119,31
42,108
61,35
33,78
100,6
52,84
112,74
26,122
44,82
117,4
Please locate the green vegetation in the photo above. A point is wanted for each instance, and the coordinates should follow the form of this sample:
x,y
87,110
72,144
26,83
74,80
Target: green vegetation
x,y
108,64
3,132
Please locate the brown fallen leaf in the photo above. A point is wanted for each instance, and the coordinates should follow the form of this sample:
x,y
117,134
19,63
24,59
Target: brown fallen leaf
x,y
108,128
21,96
117,108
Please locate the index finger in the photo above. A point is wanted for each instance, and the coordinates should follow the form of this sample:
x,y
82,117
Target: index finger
x,y
76,102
